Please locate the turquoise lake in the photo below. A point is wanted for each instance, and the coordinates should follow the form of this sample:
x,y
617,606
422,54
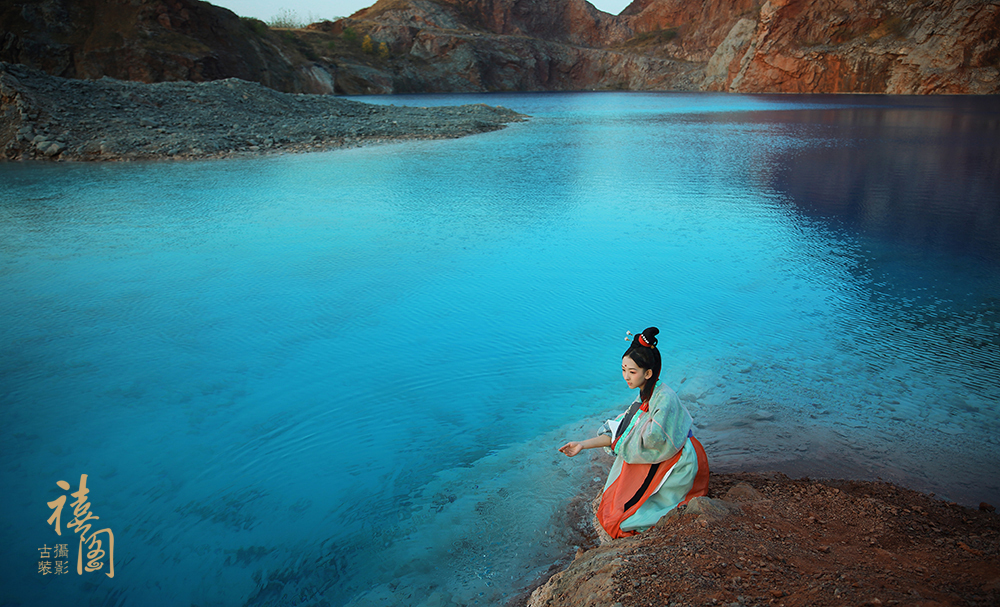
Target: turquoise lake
x,y
341,378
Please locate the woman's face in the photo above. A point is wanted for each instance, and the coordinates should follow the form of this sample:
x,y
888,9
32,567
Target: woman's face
x,y
635,376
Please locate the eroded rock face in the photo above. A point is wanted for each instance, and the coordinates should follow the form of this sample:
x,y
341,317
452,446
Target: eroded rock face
x,y
794,46
797,46
840,46
152,41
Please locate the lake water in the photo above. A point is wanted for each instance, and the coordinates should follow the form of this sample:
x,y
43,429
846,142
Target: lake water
x,y
341,378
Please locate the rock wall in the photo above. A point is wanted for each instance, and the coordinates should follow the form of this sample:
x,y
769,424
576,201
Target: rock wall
x,y
778,46
840,46
152,41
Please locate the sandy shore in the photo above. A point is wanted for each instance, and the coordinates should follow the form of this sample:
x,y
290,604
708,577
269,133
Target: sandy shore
x,y
767,539
48,118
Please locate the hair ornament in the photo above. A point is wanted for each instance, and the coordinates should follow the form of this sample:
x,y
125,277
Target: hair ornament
x,y
648,337
627,335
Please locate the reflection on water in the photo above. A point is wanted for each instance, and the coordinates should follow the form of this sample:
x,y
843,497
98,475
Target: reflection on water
x,y
341,378
922,176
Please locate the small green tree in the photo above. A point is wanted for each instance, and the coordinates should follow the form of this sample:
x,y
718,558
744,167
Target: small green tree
x,y
286,18
366,44
349,35
383,50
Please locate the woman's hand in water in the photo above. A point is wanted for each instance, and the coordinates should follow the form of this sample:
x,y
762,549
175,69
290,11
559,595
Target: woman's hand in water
x,y
571,448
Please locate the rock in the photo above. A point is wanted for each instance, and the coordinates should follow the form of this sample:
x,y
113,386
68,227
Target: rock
x,y
589,581
769,552
843,47
731,45
155,41
725,64
201,129
51,149
743,493
710,509
792,46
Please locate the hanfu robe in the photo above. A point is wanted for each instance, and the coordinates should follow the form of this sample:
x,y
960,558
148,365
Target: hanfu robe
x,y
659,465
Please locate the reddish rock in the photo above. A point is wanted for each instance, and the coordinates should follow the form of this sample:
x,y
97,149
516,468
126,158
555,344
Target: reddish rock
x,y
864,46
792,46
700,27
879,545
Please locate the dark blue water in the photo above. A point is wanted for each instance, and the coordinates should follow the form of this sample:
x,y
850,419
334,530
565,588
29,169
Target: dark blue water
x,y
341,378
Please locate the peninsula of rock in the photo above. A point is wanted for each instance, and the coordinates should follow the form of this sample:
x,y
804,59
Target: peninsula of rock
x,y
46,117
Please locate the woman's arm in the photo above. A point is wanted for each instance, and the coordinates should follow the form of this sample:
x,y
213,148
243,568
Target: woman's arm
x,y
573,447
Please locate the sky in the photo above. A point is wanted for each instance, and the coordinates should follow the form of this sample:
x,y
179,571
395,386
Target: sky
x,y
309,11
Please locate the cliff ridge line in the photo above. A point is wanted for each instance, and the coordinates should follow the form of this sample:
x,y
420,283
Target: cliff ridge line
x,y
448,46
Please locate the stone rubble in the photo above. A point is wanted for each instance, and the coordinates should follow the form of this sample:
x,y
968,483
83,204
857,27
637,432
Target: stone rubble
x,y
49,118
766,539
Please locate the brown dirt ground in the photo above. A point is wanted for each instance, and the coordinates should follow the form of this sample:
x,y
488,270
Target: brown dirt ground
x,y
778,541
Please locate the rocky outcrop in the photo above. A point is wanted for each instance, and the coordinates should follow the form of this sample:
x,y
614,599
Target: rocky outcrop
x,y
698,27
840,46
766,539
429,58
565,21
48,118
154,41
799,46
402,46
455,62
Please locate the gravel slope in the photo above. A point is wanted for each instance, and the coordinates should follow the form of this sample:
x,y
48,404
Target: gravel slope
x,y
45,117
765,539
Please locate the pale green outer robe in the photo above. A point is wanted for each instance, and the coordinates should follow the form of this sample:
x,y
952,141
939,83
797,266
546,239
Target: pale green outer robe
x,y
652,437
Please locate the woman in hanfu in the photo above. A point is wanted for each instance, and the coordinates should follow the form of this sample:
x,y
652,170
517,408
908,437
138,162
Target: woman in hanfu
x,y
659,464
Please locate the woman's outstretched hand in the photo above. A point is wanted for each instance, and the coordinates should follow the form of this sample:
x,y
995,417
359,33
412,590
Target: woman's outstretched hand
x,y
571,448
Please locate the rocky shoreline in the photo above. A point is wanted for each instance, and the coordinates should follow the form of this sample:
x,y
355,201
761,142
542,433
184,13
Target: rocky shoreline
x,y
766,539
49,118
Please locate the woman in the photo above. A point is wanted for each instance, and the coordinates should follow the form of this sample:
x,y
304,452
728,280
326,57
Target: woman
x,y
659,465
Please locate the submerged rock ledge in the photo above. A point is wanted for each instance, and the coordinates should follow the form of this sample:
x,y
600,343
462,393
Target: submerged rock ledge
x,y
50,118
766,539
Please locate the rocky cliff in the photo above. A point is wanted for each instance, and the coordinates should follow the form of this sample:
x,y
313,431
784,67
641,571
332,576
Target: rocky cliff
x,y
872,47
397,46
154,41
798,46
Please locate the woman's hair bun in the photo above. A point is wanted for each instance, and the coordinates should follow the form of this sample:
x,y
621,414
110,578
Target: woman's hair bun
x,y
650,335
